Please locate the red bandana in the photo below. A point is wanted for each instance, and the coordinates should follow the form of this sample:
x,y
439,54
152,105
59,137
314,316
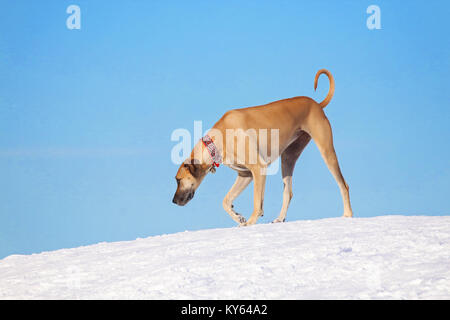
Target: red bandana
x,y
212,149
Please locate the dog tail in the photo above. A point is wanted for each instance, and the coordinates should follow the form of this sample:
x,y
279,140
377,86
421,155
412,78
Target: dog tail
x,y
327,100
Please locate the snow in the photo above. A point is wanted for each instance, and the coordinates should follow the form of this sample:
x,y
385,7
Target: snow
x,y
385,257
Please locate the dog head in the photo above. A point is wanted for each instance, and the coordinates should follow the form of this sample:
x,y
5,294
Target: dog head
x,y
189,176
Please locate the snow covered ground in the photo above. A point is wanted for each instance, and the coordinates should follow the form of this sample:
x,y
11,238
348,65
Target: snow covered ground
x,y
386,257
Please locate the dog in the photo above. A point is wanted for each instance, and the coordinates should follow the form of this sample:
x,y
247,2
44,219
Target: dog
x,y
297,121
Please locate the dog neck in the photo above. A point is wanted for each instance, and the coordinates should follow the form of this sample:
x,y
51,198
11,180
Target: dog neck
x,y
201,155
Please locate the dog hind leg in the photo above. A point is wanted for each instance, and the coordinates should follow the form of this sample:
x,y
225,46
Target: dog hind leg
x,y
320,130
288,159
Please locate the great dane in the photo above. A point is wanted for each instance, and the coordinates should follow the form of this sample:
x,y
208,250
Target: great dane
x,y
295,121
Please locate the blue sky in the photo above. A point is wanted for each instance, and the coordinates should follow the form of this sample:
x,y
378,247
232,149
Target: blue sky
x,y
86,115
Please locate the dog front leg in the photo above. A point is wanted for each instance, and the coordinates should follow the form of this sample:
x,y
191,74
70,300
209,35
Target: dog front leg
x,y
239,185
259,181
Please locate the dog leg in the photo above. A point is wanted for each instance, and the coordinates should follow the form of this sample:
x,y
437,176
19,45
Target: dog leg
x,y
287,196
259,181
322,136
242,181
288,159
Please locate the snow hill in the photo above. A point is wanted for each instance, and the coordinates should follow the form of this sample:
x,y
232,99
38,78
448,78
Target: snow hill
x,y
386,257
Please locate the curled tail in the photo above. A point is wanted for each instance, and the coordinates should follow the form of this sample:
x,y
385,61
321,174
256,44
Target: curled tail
x,y
327,100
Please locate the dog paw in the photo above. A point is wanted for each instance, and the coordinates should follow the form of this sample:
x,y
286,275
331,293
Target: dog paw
x,y
348,215
278,220
241,220
247,223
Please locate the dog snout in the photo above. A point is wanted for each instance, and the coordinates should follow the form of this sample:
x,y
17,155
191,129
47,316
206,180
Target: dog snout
x,y
181,200
178,200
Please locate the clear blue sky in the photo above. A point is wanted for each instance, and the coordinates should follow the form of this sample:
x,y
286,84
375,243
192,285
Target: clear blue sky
x,y
86,115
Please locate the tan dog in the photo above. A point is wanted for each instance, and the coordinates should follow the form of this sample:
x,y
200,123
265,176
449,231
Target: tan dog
x,y
296,120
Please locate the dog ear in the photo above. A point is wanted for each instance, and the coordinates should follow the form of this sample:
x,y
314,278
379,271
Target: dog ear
x,y
194,169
